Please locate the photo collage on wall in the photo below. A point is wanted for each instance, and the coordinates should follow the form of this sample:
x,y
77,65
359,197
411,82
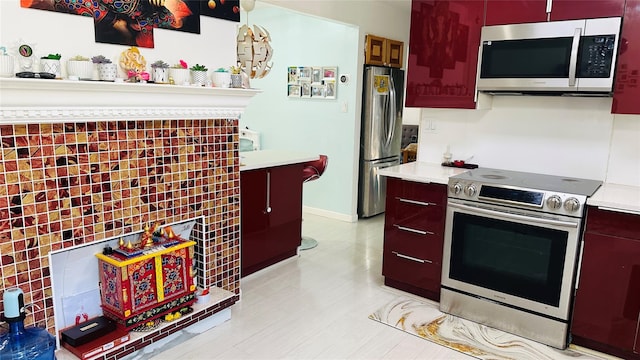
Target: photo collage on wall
x,y
318,82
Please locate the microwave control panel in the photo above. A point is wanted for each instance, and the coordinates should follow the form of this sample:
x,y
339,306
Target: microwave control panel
x,y
596,56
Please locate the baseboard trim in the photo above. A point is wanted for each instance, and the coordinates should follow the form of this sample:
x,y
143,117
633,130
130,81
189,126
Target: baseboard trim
x,y
330,214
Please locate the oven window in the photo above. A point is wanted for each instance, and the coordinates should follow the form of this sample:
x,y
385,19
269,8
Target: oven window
x,y
517,259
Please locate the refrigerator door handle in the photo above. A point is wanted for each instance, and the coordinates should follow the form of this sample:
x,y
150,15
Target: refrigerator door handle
x,y
391,111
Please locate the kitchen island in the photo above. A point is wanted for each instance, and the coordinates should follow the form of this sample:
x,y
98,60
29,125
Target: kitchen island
x,y
270,206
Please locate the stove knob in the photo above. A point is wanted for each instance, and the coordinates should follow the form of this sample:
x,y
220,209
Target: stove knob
x,y
572,204
554,202
470,190
456,188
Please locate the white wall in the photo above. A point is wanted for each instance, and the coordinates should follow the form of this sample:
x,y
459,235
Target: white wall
x,y
576,137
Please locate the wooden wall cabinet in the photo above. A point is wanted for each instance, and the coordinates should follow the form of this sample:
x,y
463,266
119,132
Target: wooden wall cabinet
x,y
443,53
627,80
271,215
606,314
383,52
500,12
414,236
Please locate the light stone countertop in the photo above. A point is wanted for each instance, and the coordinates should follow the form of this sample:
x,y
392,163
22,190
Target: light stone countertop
x,y
622,198
260,159
422,172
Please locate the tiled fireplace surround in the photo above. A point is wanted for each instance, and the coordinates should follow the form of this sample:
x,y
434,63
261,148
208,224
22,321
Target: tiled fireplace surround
x,y
73,175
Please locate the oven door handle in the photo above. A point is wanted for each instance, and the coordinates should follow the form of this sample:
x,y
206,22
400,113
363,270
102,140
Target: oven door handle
x,y
514,216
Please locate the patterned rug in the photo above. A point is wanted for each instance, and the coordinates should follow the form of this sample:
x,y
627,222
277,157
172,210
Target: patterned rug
x,y
425,320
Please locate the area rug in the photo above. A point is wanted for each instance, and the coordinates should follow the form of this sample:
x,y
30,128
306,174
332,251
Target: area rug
x,y
425,320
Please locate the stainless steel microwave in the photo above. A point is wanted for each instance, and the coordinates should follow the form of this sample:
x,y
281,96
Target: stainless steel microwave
x,y
573,56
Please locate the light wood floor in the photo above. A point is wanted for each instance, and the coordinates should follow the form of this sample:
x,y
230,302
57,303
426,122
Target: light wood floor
x,y
315,306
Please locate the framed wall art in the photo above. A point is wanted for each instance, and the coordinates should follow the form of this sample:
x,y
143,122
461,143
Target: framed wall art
x,y
315,82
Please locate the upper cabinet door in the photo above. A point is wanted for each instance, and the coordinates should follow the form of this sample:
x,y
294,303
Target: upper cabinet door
x,y
375,50
443,53
627,81
395,50
501,12
580,9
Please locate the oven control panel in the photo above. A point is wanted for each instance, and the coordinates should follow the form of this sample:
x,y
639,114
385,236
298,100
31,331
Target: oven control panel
x,y
531,199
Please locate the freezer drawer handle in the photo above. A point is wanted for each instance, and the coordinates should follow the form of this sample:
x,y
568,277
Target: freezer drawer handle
x,y
416,202
421,232
412,258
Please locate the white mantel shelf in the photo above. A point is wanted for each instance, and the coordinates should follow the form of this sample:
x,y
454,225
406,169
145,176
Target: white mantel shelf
x,y
51,101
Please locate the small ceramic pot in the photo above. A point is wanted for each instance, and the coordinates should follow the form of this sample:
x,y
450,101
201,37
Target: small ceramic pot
x,y
51,66
160,75
80,68
236,80
180,76
221,79
6,66
108,72
198,77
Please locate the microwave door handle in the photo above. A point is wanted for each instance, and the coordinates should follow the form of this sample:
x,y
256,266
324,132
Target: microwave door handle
x,y
573,61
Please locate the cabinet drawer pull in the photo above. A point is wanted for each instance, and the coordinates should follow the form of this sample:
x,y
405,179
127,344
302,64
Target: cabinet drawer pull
x,y
415,202
416,231
411,258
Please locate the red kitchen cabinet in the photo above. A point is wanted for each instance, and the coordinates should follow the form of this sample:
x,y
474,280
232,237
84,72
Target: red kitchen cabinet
x,y
500,12
271,215
606,314
580,9
443,53
414,236
627,79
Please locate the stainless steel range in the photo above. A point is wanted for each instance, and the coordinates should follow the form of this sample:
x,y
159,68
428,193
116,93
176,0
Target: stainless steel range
x,y
511,251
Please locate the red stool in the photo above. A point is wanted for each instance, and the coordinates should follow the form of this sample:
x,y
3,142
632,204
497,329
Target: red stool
x,y
312,171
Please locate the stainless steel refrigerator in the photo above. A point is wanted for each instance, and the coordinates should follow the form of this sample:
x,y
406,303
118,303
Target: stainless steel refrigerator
x,y
381,132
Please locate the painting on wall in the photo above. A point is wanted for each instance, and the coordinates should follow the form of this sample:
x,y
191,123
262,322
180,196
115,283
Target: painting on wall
x,y
221,9
128,22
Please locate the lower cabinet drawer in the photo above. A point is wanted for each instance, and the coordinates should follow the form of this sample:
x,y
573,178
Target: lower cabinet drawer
x,y
414,271
415,243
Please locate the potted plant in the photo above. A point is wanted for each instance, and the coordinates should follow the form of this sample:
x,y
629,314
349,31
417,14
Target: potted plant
x,y
221,78
236,76
198,74
179,74
160,72
107,71
51,64
80,67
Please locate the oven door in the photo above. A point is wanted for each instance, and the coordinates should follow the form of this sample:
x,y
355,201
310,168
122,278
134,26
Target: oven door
x,y
521,258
